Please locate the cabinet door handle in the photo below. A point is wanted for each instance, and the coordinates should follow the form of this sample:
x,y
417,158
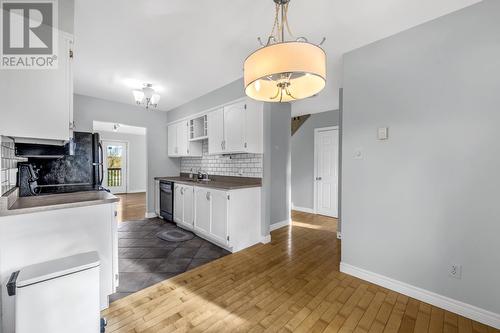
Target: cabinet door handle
x,y
208,195
222,145
318,178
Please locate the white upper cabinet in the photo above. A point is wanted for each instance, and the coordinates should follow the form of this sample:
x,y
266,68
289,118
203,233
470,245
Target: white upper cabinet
x,y
216,132
230,129
178,141
39,103
182,138
236,128
172,140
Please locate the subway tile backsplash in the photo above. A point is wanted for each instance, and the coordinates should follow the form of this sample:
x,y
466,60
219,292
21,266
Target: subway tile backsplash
x,y
239,165
8,165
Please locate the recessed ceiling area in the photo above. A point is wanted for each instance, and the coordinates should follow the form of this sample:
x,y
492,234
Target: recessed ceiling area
x,y
189,48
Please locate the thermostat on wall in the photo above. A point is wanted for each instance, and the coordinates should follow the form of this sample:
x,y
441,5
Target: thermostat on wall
x,y
383,133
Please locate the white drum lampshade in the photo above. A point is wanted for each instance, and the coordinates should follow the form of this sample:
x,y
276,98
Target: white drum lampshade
x,y
285,72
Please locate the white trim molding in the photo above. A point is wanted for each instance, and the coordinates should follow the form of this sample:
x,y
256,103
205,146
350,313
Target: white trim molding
x,y
467,310
279,225
150,215
303,209
265,239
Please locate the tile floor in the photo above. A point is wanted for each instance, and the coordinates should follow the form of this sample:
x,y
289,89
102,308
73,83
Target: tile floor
x,y
145,260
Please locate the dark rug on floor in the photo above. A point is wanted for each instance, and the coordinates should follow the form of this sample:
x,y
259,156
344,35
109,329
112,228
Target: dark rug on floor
x,y
175,235
144,260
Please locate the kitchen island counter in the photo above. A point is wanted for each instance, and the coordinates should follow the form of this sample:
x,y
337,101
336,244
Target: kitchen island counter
x,y
27,205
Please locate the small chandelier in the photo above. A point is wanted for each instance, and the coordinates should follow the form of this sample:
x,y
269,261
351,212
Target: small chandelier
x,y
146,96
284,71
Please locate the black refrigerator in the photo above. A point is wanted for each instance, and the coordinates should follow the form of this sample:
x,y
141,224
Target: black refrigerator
x,y
76,166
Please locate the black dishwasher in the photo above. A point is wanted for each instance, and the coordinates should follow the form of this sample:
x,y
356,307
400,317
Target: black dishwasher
x,y
167,200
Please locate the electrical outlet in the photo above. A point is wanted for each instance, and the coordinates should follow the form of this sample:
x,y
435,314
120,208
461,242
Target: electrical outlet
x,y
456,271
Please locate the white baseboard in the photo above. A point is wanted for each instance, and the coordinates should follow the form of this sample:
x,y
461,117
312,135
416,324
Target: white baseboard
x,y
265,239
303,209
278,225
136,191
150,215
469,311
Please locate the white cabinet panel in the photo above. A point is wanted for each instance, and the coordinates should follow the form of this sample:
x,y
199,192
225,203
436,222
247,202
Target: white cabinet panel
x,y
202,210
39,103
188,206
183,206
219,216
216,132
172,140
234,127
230,219
178,141
178,205
182,138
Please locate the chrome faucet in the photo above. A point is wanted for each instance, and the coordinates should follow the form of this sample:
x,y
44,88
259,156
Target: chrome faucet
x,y
202,175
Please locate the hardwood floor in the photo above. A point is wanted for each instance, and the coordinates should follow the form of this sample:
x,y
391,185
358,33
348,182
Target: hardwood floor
x,y
292,284
131,207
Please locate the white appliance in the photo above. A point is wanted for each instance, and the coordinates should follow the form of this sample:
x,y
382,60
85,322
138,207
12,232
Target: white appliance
x,y
58,296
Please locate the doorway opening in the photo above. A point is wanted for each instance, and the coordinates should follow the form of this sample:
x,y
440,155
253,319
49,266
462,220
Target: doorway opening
x,y
125,167
315,164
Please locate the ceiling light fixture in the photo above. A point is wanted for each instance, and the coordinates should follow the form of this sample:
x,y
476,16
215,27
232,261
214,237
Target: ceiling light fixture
x,y
147,96
285,71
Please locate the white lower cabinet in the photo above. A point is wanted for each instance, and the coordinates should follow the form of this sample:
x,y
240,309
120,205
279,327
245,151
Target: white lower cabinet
x,y
230,219
184,205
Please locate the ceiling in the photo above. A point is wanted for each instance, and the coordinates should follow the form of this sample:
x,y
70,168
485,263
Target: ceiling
x,y
189,48
102,126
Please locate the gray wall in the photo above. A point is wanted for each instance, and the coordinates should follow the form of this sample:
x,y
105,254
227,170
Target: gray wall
x,y
225,94
87,109
137,159
302,148
428,197
277,170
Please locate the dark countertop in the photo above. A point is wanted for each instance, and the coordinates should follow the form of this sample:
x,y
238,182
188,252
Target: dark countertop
x,y
217,182
27,205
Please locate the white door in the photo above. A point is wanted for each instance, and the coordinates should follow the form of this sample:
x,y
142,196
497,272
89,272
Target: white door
x,y
188,205
178,204
234,127
202,210
115,166
216,132
218,221
326,160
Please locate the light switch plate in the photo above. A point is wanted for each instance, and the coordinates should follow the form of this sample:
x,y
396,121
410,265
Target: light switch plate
x,y
383,133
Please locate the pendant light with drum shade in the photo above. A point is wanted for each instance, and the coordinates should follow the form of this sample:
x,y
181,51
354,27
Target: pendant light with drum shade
x,y
284,71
